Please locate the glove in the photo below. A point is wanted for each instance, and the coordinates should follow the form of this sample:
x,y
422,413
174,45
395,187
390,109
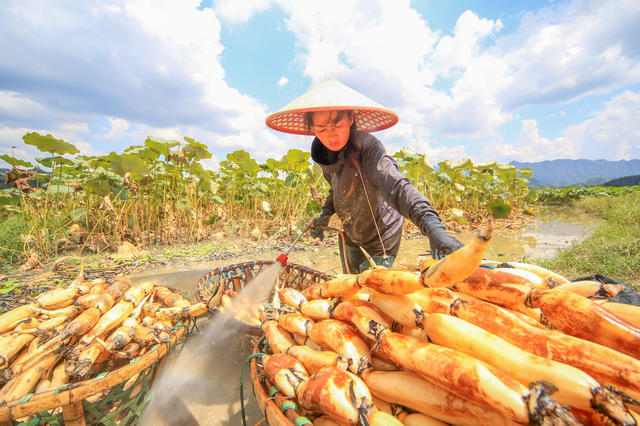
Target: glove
x,y
317,226
442,243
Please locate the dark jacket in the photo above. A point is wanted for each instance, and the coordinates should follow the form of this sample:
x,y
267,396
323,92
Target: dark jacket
x,y
391,194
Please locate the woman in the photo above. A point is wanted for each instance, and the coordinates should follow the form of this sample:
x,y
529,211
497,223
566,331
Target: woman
x,y
367,191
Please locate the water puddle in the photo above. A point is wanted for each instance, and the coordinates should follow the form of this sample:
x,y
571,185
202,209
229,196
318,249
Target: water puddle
x,y
203,385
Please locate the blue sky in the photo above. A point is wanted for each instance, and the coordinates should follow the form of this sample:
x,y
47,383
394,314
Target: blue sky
x,y
509,80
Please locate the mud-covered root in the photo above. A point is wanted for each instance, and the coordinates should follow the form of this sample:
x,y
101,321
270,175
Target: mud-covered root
x,y
6,374
610,402
544,410
460,264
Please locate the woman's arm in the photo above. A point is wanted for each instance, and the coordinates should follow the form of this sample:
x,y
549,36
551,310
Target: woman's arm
x,y
400,193
381,170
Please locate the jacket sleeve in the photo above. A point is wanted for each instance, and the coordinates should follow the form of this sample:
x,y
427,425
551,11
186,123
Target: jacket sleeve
x,y
382,170
327,208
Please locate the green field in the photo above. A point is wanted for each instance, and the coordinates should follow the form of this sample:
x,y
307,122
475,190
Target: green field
x,y
158,193
613,249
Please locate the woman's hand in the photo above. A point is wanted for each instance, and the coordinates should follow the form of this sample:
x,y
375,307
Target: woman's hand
x,y
442,243
317,225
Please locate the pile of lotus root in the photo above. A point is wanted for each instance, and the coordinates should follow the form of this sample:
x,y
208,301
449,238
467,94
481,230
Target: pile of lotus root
x,y
461,341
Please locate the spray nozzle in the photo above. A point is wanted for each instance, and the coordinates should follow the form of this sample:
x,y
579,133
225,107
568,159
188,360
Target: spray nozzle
x,y
282,259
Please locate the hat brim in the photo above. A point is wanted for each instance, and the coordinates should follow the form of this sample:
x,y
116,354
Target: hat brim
x,y
368,119
331,95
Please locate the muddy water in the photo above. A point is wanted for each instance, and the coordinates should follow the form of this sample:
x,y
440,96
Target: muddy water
x,y
203,384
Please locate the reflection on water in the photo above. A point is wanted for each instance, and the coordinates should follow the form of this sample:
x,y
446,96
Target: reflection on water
x,y
211,362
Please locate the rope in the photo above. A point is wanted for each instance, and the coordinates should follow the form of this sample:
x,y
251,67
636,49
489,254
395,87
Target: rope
x,y
242,373
344,251
373,216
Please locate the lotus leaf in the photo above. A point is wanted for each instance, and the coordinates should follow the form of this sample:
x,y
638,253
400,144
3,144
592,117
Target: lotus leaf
x,y
144,152
458,215
199,172
499,209
159,145
486,165
445,178
195,150
14,161
296,159
290,180
9,285
525,171
408,155
276,164
464,164
78,215
49,144
445,166
121,164
261,186
57,189
49,161
98,185
9,196
428,168
491,185
210,186
313,208
243,161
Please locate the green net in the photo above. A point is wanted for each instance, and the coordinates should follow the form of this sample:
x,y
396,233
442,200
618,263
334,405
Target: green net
x,y
44,418
122,404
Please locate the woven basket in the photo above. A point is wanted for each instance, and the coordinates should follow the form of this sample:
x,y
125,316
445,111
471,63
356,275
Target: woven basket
x,y
233,277
115,397
276,408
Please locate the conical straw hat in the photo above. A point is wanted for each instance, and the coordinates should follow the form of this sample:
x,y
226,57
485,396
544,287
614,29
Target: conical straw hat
x,y
332,95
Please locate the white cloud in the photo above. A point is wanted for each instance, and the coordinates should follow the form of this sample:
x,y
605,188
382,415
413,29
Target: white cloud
x,y
18,107
87,148
153,68
387,51
211,163
613,133
457,51
147,67
530,146
118,128
154,62
237,12
563,52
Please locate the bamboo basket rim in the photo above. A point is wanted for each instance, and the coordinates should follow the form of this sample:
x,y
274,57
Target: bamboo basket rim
x,y
288,267
262,397
70,393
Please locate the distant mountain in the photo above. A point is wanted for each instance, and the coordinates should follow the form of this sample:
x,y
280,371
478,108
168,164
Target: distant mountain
x,y
578,172
624,181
